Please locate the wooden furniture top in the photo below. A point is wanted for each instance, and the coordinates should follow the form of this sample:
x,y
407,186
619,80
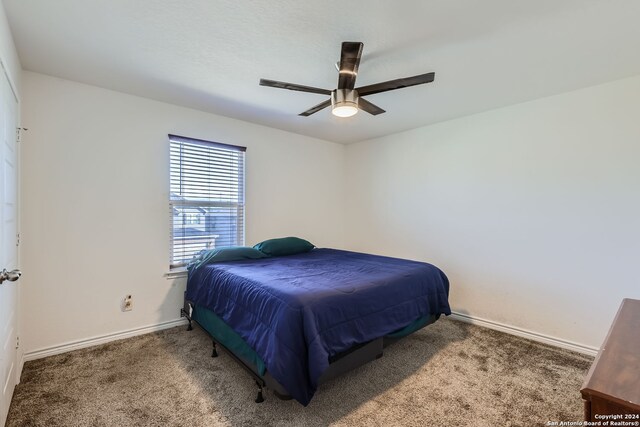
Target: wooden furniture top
x,y
615,373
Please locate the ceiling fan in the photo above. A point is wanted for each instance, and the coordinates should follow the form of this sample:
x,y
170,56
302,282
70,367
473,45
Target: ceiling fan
x,y
347,99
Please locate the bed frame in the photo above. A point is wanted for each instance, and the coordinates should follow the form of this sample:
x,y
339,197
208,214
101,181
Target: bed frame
x,y
339,364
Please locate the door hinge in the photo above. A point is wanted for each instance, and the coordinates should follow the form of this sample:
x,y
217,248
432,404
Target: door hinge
x,y
17,239
17,342
19,133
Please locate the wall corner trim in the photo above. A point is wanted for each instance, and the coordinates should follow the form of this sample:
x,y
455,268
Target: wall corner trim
x,y
102,339
524,333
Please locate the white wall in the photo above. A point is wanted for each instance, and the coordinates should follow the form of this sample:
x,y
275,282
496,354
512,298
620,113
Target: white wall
x,y
532,210
95,215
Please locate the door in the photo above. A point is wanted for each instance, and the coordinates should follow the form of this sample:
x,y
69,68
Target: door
x,y
8,242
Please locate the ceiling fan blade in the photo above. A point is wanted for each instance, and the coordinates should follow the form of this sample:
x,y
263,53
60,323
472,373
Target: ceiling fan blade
x,y
369,107
396,84
349,62
293,86
317,108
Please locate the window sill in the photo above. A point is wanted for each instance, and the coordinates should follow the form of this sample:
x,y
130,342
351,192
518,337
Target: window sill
x,y
176,273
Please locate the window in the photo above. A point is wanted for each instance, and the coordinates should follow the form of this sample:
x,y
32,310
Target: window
x,y
206,197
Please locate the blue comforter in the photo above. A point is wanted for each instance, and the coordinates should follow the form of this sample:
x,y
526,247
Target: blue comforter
x,y
296,311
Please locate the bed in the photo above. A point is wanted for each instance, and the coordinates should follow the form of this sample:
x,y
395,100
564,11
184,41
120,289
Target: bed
x,y
295,321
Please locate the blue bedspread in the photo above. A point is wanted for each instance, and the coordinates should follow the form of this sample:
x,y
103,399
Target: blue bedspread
x,y
296,311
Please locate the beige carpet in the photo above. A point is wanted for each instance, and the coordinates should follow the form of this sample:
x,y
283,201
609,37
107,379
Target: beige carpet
x,y
448,374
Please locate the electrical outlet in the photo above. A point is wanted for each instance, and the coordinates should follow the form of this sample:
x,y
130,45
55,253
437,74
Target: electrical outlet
x,y
127,303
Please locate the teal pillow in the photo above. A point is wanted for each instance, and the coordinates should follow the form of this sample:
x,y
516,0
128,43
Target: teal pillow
x,y
230,253
284,246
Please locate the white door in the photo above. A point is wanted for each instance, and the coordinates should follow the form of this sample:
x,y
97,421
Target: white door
x,y
8,245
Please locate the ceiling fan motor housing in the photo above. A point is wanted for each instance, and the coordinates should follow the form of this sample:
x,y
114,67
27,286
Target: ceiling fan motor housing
x,y
344,97
344,102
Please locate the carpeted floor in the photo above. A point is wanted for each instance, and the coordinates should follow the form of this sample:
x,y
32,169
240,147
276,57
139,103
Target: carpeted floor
x,y
448,374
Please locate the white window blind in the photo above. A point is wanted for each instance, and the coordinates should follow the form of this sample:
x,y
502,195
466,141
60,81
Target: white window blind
x,y
206,196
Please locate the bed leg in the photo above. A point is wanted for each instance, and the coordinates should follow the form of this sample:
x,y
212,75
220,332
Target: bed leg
x,y
183,313
214,353
260,398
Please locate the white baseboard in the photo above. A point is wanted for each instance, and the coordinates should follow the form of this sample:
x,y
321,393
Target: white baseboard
x,y
103,339
524,333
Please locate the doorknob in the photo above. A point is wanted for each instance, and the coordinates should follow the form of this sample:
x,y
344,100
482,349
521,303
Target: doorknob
x,y
11,276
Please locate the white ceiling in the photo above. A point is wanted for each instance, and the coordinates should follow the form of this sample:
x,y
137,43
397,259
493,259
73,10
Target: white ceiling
x,y
210,54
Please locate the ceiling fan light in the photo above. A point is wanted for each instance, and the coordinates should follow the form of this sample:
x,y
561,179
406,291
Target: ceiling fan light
x,y
344,102
344,109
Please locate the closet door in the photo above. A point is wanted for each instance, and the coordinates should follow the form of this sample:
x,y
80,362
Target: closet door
x,y
8,244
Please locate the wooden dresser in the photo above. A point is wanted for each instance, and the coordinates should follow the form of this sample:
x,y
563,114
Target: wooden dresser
x,y
612,386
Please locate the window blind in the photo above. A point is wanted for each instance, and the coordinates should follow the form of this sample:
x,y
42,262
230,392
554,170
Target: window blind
x,y
206,196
